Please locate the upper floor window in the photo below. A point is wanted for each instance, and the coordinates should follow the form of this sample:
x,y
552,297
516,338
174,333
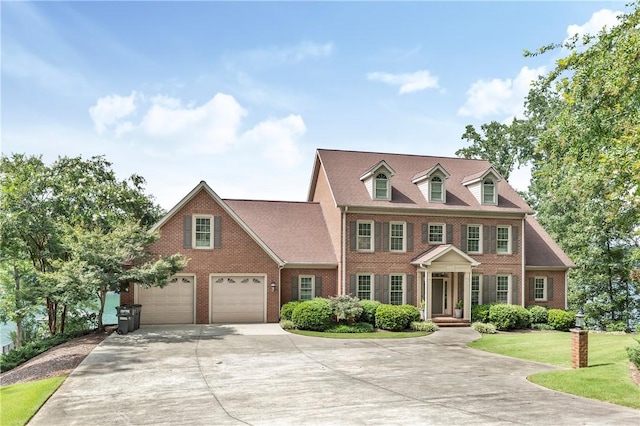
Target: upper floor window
x,y
306,288
503,239
436,233
396,289
364,291
502,289
202,232
437,189
540,288
474,238
396,236
365,236
489,191
381,186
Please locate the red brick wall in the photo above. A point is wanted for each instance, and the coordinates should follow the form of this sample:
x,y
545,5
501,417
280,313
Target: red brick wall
x,y
239,254
329,281
558,277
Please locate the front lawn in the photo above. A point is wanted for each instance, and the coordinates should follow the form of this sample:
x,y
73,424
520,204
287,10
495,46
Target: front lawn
x,y
375,335
607,378
21,401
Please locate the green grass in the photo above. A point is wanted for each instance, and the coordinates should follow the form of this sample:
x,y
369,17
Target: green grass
x,y
21,401
375,335
607,378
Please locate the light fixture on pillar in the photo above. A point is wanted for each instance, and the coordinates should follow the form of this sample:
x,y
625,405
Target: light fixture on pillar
x,y
273,286
580,320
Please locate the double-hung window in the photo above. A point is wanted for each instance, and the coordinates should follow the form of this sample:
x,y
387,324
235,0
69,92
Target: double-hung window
x,y
437,189
381,187
488,191
503,239
540,288
436,233
502,288
306,286
476,290
202,232
474,239
396,236
365,236
396,289
364,291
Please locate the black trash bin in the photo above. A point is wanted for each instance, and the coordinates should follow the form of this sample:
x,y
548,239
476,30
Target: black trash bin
x,y
136,312
132,317
125,321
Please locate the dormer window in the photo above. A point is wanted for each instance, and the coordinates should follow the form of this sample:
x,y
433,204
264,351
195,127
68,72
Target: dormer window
x,y
381,186
437,189
488,191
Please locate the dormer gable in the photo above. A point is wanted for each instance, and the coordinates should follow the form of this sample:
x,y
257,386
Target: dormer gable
x,y
432,183
377,181
484,186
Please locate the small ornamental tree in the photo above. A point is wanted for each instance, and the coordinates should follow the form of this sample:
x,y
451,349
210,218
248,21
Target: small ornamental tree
x,y
345,308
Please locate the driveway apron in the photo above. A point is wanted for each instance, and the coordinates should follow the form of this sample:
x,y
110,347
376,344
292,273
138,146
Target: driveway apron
x,y
259,374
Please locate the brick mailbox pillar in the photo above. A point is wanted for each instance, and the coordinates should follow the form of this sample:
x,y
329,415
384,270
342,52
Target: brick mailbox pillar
x,y
579,348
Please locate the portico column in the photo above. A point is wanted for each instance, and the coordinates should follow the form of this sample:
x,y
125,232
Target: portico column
x,y
466,313
429,291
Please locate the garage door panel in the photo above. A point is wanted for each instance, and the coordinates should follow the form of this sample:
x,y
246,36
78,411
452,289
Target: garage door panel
x,y
172,304
237,299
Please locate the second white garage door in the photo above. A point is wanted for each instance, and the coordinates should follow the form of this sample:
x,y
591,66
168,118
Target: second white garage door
x,y
239,299
171,304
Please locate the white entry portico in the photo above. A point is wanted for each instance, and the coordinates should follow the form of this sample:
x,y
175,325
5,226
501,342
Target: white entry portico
x,y
440,268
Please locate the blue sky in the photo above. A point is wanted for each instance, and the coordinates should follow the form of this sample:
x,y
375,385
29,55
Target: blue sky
x,y
242,94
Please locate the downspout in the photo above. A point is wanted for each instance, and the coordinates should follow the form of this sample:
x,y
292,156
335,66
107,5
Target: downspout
x,y
524,280
566,289
280,267
344,250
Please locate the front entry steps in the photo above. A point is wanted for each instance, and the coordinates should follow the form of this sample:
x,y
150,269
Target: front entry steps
x,y
451,322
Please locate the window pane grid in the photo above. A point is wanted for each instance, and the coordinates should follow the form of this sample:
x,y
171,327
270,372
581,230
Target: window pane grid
x,y
502,240
502,289
396,291
475,290
306,288
364,236
539,289
203,232
364,287
381,183
436,233
397,237
473,238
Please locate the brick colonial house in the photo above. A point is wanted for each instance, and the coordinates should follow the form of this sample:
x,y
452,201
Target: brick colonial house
x,y
388,227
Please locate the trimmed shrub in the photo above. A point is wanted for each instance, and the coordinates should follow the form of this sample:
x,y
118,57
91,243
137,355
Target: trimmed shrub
x,y
561,320
505,317
411,312
524,317
359,327
480,313
287,324
393,317
616,326
634,354
539,314
312,314
345,308
484,328
287,309
424,326
541,327
369,308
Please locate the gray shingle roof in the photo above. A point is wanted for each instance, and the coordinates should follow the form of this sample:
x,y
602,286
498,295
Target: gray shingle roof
x,y
541,250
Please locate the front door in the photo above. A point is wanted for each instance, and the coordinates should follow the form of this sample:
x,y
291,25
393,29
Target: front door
x,y
440,295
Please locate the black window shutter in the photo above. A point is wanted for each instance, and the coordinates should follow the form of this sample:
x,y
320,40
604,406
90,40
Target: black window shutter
x,y
409,236
385,289
294,287
187,231
493,237
409,289
378,236
378,285
514,289
486,233
532,289
217,232
549,288
425,233
318,284
352,285
514,240
449,233
463,238
352,235
486,298
385,236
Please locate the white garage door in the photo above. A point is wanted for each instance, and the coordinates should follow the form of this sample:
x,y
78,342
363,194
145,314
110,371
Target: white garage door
x,y
236,299
172,304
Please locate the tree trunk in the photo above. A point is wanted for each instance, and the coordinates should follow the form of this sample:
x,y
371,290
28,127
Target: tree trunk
x,y
102,295
18,303
63,318
52,312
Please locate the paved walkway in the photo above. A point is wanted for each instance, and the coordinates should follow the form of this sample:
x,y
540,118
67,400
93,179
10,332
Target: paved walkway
x,y
259,375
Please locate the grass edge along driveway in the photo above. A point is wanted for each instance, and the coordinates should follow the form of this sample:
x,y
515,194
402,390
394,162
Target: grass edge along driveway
x,y
607,378
21,401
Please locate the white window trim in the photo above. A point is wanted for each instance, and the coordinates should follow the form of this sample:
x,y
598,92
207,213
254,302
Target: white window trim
x,y
372,237
480,227
404,236
313,286
375,186
443,194
372,285
193,231
545,284
495,191
479,287
508,287
509,240
404,287
444,233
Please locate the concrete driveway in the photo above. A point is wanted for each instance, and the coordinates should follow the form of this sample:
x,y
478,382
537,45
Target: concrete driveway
x,y
258,374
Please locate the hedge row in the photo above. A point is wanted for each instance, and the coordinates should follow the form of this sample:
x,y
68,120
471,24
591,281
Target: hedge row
x,y
512,317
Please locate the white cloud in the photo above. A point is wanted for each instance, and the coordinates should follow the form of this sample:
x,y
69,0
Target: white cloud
x,y
278,139
499,97
408,82
278,55
600,19
110,109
